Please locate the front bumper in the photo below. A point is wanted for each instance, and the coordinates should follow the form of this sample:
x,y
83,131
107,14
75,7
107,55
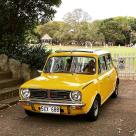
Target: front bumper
x,y
67,108
54,103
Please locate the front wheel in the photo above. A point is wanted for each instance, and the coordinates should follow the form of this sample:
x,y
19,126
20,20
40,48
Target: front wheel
x,y
93,114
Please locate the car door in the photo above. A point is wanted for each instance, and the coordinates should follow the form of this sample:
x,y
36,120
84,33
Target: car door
x,y
111,73
103,78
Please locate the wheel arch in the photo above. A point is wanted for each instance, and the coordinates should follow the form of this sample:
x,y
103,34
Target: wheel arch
x,y
118,81
96,96
99,98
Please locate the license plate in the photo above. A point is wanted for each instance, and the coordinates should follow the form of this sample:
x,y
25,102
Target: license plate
x,y
50,109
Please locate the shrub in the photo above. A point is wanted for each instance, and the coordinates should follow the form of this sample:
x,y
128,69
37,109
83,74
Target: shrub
x,y
35,56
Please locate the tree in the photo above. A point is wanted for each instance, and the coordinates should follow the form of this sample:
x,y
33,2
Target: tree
x,y
95,34
19,17
78,20
118,30
133,30
59,31
76,16
112,31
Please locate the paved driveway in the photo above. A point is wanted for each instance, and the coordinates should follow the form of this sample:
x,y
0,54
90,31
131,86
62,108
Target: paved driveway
x,y
117,117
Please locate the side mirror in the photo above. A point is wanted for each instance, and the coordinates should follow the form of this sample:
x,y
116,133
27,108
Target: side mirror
x,y
39,71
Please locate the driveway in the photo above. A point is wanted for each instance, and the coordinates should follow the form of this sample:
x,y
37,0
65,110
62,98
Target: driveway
x,y
117,117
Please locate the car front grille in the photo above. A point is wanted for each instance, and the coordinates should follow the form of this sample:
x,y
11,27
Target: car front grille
x,y
49,94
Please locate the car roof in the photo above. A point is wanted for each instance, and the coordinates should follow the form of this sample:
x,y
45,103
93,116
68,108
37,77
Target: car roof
x,y
92,51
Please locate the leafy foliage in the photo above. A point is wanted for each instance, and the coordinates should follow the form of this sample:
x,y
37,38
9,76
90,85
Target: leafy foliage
x,y
112,30
35,56
118,30
19,17
64,33
59,31
76,16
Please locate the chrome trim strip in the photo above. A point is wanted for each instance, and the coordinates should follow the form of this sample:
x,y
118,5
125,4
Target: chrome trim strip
x,y
53,103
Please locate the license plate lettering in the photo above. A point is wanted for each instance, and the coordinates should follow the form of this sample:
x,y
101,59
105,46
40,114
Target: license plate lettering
x,y
50,109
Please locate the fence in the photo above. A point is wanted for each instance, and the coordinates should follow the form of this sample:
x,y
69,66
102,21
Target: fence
x,y
126,65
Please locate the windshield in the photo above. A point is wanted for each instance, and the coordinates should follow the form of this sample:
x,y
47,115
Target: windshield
x,y
70,64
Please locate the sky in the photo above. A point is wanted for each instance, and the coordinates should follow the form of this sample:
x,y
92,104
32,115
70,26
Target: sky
x,y
98,9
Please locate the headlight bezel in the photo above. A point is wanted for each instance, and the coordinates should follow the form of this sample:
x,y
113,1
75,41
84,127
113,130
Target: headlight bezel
x,y
25,93
73,94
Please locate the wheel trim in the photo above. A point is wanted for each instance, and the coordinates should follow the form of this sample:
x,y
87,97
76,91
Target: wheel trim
x,y
96,110
116,90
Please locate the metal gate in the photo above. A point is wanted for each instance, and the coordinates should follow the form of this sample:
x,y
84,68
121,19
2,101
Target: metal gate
x,y
126,65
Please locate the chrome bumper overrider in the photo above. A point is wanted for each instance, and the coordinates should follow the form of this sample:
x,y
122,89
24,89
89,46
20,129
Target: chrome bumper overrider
x,y
53,103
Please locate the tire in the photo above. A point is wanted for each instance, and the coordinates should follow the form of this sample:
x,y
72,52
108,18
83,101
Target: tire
x,y
30,113
93,114
116,91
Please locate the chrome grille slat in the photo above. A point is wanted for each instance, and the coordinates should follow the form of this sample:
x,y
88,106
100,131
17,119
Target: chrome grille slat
x,y
49,94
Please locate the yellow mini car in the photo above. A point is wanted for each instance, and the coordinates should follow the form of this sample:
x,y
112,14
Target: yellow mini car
x,y
72,82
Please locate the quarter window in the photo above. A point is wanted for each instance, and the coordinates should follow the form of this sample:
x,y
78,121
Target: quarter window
x,y
108,61
102,64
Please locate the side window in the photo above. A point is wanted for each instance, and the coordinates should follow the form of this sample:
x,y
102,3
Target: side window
x,y
102,64
108,61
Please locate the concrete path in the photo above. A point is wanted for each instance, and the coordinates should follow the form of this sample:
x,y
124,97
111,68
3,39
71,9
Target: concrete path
x,y
117,118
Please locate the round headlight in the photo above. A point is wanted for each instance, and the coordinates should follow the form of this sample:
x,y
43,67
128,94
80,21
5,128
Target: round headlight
x,y
25,93
75,96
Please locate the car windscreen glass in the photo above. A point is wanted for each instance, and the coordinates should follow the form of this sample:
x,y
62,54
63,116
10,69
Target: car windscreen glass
x,y
70,64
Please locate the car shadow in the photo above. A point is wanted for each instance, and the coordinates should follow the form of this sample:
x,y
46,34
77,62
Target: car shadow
x,y
56,118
